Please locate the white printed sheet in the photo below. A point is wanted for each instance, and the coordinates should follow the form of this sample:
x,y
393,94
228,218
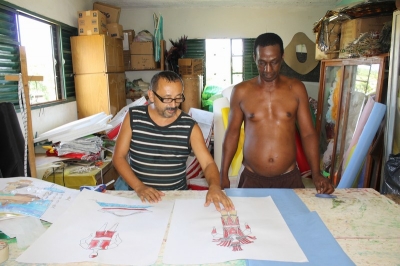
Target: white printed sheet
x,y
102,228
255,230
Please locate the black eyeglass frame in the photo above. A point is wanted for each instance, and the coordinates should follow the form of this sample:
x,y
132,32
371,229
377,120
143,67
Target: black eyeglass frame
x,y
169,100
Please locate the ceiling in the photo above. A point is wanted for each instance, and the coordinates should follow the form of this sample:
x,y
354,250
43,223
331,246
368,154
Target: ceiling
x,y
217,3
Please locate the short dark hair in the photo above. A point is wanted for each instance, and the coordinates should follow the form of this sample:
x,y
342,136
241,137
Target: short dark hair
x,y
267,39
168,75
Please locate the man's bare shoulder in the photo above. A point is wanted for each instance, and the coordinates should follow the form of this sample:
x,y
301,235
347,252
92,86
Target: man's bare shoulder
x,y
245,85
293,84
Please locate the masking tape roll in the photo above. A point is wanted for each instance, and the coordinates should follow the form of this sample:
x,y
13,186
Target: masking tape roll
x,y
3,251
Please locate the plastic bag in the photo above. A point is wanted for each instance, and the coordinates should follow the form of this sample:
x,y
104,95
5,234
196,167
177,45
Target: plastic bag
x,y
391,182
207,98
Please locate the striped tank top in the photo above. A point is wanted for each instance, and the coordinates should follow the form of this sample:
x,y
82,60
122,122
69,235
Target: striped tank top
x,y
158,154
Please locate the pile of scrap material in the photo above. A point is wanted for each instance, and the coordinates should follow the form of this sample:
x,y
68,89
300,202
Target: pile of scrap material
x,y
330,30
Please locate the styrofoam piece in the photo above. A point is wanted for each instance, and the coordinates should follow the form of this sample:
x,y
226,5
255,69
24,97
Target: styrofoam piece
x,y
100,125
75,127
219,130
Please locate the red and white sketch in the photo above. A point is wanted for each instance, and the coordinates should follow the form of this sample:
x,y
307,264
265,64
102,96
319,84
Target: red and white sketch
x,y
102,240
232,235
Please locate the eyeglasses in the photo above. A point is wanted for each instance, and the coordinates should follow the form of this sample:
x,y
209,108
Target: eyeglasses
x,y
178,99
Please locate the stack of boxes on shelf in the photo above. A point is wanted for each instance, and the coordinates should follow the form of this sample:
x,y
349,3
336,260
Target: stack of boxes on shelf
x,y
142,55
97,60
191,70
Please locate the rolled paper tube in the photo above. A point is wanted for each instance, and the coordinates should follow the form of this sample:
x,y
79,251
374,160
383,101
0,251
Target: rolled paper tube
x,y
360,152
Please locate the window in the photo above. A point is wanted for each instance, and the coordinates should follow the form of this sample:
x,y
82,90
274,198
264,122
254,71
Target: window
x,y
48,51
229,61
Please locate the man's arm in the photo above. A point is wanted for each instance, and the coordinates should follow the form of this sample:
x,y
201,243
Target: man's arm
x,y
309,137
231,137
214,194
124,169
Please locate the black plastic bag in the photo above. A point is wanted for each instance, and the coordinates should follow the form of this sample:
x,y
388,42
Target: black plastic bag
x,y
391,182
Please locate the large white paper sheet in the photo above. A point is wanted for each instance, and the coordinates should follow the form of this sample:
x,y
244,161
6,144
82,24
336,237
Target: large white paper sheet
x,y
102,228
258,232
34,197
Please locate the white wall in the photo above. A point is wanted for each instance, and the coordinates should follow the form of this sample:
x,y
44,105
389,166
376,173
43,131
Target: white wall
x,y
60,10
222,23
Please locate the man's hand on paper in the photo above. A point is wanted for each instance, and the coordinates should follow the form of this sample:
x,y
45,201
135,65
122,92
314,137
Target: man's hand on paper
x,y
217,196
149,194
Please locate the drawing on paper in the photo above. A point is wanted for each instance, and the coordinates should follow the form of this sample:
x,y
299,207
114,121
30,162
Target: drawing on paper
x,y
103,239
122,210
27,197
232,235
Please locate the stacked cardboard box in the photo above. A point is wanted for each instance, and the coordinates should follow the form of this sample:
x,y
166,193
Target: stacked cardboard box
x,y
190,66
91,22
191,70
112,14
142,55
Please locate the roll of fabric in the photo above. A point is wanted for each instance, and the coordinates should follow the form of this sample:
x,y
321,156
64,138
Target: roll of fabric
x,y
361,150
12,143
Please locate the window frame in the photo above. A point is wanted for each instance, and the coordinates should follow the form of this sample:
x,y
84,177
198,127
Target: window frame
x,y
10,57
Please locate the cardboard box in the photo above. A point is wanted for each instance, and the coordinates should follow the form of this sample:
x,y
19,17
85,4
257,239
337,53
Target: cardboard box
x,y
352,29
128,38
115,30
190,66
111,12
141,62
142,48
91,22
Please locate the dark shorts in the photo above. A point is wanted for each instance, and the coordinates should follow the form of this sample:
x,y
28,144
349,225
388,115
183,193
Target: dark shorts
x,y
290,179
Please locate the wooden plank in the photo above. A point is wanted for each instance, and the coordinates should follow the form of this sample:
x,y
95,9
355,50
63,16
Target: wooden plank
x,y
16,78
25,78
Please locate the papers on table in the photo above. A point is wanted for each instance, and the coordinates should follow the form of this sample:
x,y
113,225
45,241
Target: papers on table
x,y
103,228
255,230
34,197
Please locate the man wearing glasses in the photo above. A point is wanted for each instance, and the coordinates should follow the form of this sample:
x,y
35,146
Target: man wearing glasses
x,y
159,138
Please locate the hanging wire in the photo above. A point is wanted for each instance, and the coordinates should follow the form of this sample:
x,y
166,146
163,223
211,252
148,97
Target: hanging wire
x,y
22,104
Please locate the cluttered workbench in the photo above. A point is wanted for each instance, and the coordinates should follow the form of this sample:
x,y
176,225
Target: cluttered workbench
x,y
77,173
364,223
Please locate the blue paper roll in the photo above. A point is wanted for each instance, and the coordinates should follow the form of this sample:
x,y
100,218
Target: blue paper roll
x,y
364,142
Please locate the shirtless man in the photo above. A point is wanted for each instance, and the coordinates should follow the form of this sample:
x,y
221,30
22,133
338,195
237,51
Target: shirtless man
x,y
270,105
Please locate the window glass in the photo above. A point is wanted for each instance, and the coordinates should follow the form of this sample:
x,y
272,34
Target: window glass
x,y
37,38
